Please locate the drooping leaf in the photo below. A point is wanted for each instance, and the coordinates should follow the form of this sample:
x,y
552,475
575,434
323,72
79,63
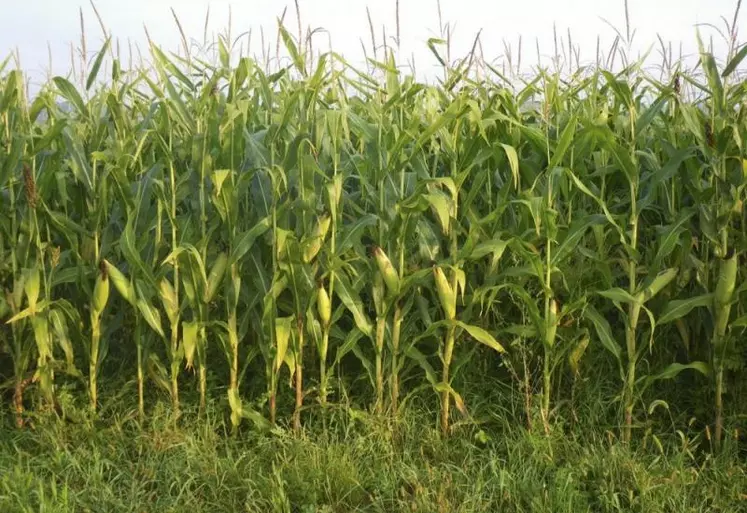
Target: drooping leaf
x,y
353,303
70,93
679,308
604,332
482,336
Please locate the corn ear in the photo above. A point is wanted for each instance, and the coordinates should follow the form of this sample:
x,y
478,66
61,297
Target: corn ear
x,y
722,320
16,297
446,295
283,327
101,291
379,293
314,245
334,193
190,334
551,327
216,276
662,280
574,358
234,402
121,283
727,278
168,298
324,306
391,278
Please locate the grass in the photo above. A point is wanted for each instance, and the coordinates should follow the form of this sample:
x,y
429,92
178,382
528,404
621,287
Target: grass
x,y
348,460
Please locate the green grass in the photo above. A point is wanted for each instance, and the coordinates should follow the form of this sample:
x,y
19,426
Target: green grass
x,y
350,461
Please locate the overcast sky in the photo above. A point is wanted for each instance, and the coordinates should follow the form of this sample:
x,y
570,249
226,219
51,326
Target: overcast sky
x,y
33,26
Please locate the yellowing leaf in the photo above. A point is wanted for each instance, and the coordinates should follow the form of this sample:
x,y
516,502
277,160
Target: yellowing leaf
x,y
482,336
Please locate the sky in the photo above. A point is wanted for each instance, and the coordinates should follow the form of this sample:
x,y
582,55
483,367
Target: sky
x,y
37,29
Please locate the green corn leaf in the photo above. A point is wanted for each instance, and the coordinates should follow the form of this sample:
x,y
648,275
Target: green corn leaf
x,y
430,374
97,63
63,339
494,247
604,332
575,233
563,143
732,65
173,69
151,316
353,303
710,69
513,161
70,93
674,369
127,243
214,279
290,45
246,240
11,89
679,308
671,238
442,207
157,372
351,340
648,116
617,295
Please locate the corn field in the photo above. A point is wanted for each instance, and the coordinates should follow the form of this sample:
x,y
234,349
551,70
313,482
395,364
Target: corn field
x,y
317,225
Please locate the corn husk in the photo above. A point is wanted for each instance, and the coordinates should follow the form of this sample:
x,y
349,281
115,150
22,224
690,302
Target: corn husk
x,y
391,278
101,292
324,306
551,324
446,295
314,245
121,283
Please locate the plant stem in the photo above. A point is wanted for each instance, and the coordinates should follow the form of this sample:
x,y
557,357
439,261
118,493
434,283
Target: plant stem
x,y
718,432
175,369
380,332
140,374
396,331
323,367
629,382
93,364
299,378
546,390
445,395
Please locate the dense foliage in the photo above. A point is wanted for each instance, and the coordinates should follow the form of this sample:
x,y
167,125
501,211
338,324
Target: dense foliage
x,y
319,228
